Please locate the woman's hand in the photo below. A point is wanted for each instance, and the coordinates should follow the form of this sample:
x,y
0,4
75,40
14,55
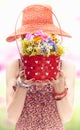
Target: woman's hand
x,y
59,83
24,78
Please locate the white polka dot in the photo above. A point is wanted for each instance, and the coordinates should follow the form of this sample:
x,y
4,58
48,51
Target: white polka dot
x,y
41,68
54,72
57,60
48,61
31,67
36,73
47,73
28,72
25,61
36,61
52,67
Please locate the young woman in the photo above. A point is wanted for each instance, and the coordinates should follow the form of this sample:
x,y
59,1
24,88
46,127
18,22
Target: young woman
x,y
47,105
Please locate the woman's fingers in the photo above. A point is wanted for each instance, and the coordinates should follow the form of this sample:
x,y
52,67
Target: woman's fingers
x,y
59,75
22,74
29,82
60,79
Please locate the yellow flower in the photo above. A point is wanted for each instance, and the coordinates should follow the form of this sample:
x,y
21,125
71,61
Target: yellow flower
x,y
48,52
54,38
29,49
60,49
49,47
25,42
33,53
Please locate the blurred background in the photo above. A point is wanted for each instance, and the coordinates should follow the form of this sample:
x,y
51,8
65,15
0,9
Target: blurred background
x,y
68,14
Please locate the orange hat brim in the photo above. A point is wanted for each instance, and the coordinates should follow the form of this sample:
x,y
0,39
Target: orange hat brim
x,y
33,28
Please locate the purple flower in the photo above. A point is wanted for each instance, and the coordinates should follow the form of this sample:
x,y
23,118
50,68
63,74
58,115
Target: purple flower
x,y
51,43
38,33
44,49
29,36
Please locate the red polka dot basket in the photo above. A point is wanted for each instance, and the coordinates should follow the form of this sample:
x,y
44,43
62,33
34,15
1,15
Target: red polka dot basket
x,y
41,67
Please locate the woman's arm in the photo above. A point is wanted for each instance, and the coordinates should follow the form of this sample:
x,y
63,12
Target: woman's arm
x,y
14,99
65,106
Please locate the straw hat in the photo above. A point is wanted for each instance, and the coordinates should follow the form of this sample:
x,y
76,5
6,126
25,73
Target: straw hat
x,y
34,18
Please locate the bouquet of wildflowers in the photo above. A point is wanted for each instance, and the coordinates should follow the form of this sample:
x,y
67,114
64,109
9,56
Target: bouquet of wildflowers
x,y
41,43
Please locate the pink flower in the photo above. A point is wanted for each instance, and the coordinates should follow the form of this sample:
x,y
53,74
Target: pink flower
x,y
43,35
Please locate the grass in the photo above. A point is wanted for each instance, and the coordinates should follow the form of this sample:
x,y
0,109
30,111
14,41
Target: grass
x,y
4,123
74,124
